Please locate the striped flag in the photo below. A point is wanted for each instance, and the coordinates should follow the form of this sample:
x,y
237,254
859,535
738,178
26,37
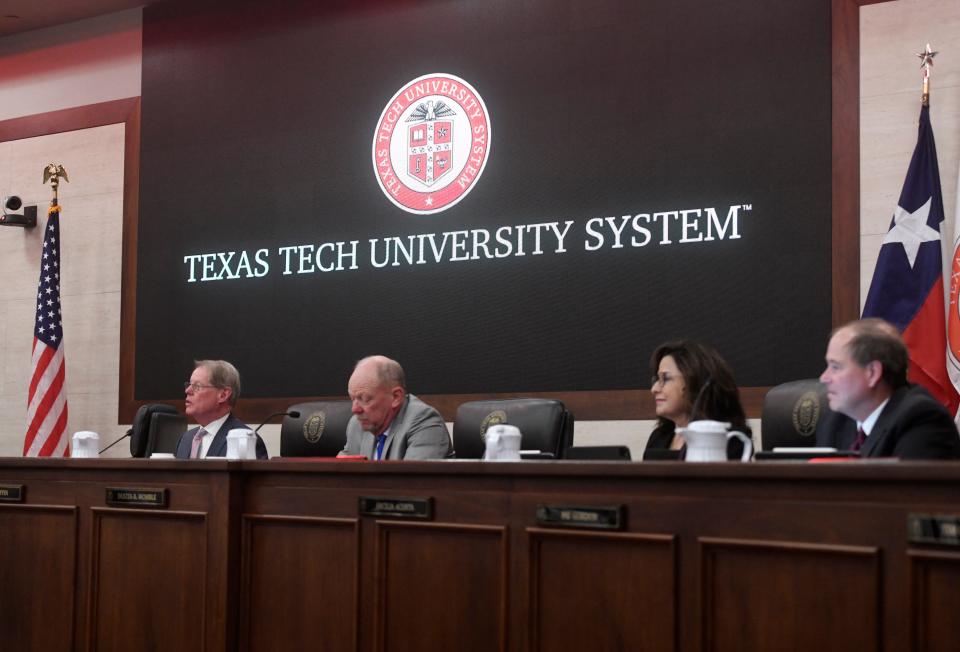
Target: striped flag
x,y
47,398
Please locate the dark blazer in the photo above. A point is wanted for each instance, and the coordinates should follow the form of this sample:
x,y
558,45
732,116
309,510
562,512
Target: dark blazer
x,y
662,436
912,426
218,447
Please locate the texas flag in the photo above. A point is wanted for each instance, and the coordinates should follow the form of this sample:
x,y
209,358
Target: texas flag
x,y
907,285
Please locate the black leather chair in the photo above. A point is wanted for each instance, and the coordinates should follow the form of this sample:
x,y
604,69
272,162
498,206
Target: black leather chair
x,y
545,425
319,431
140,428
791,412
165,433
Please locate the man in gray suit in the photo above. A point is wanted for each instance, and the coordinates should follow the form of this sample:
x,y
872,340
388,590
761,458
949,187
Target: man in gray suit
x,y
387,422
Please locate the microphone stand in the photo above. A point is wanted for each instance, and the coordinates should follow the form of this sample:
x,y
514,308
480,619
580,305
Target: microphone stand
x,y
294,414
129,432
694,411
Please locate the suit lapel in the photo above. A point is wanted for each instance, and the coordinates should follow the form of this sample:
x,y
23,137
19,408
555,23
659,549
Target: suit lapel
x,y
218,447
882,426
186,444
395,426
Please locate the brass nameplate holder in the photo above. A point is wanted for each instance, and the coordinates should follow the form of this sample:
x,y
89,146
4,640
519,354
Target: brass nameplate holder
x,y
421,508
596,518
136,497
11,493
939,530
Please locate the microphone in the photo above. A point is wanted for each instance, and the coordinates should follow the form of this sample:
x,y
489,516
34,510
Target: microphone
x,y
117,441
294,414
694,413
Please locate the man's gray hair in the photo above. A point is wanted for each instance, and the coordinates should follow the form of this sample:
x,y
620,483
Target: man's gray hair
x,y
389,372
223,375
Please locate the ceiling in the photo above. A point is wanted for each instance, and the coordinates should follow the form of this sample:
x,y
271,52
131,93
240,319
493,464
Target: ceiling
x,y
18,16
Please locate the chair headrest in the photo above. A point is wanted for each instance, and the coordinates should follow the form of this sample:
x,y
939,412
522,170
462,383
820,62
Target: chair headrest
x,y
140,428
791,412
319,431
545,424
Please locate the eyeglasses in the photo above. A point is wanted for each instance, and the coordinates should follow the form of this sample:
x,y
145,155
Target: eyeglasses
x,y
663,378
196,387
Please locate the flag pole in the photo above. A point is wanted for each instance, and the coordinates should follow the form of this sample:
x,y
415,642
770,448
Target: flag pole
x,y
926,62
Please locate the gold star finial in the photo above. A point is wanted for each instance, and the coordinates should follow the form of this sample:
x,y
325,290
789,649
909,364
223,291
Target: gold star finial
x,y
926,58
926,61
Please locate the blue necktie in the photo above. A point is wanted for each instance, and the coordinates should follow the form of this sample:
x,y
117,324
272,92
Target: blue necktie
x,y
380,440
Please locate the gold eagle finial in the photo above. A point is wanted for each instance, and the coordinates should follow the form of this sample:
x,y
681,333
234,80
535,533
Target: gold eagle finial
x,y
53,172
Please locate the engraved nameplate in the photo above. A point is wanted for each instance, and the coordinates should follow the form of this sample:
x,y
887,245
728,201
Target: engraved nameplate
x,y
136,497
601,518
11,493
421,508
941,530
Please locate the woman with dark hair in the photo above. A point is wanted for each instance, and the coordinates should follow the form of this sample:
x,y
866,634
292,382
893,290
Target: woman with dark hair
x,y
690,382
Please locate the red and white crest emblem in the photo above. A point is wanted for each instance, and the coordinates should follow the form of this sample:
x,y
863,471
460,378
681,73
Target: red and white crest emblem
x,y
431,143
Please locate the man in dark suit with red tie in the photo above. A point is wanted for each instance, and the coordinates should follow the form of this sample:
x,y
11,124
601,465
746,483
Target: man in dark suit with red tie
x,y
211,394
876,411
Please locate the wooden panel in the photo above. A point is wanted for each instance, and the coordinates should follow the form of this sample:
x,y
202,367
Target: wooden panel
x,y
148,580
934,600
37,570
56,122
440,587
845,156
300,583
126,407
602,591
762,595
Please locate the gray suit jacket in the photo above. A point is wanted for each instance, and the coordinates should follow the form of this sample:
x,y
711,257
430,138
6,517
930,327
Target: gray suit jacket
x,y
417,432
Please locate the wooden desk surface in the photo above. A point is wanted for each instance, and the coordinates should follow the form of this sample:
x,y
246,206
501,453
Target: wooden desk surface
x,y
277,555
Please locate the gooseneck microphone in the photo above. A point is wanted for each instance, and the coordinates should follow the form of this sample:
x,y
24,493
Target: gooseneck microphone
x,y
293,414
117,441
694,411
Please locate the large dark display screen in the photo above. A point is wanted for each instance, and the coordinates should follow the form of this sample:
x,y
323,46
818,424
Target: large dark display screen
x,y
505,196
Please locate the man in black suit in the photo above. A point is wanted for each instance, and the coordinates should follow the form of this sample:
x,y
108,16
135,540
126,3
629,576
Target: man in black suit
x,y
212,392
875,410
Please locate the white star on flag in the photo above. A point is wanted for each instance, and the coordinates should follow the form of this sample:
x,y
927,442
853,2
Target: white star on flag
x,y
911,229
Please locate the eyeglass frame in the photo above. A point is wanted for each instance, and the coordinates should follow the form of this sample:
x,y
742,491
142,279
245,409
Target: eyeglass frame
x,y
196,387
663,378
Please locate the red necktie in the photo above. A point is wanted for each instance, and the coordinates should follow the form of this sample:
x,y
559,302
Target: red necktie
x,y
858,442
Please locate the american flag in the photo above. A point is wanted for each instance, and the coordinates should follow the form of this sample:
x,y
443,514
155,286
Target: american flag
x,y
47,399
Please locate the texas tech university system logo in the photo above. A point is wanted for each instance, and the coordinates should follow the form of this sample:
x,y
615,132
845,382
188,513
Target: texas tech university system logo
x,y
431,143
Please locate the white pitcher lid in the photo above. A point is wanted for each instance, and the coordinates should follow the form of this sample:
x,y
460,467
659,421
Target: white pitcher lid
x,y
707,425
